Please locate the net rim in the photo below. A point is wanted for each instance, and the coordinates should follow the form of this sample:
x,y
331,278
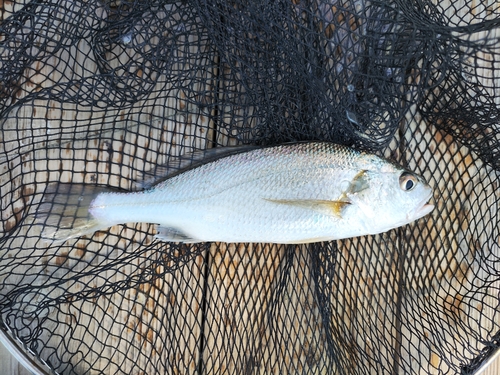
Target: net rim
x,y
487,364
22,356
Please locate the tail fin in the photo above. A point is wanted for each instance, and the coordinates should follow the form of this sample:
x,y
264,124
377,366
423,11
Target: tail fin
x,y
64,211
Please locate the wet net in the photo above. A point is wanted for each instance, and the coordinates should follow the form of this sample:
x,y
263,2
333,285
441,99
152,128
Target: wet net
x,y
102,92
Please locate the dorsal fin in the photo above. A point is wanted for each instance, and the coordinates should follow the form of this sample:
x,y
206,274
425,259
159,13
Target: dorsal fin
x,y
186,162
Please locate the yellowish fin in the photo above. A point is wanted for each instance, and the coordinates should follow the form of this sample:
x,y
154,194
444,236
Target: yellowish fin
x,y
331,207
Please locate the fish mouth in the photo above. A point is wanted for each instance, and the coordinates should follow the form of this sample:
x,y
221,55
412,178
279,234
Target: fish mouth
x,y
423,208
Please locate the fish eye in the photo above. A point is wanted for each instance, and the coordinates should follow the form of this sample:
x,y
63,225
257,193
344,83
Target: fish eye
x,y
407,181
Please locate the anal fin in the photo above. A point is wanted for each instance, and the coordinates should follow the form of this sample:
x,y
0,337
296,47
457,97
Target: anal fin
x,y
169,234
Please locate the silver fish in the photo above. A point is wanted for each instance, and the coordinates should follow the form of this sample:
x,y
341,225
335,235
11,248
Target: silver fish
x,y
292,193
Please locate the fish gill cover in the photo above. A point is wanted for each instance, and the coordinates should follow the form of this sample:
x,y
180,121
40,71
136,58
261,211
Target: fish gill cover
x,y
106,93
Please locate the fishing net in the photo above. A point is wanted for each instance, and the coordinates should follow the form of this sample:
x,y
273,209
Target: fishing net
x,y
104,92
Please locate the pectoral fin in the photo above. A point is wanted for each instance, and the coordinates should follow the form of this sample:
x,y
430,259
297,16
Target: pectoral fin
x,y
359,183
325,206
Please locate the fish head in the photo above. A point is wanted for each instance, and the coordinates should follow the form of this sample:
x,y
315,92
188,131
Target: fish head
x,y
392,196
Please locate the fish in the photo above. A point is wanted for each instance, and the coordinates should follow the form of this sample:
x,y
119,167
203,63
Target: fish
x,y
292,193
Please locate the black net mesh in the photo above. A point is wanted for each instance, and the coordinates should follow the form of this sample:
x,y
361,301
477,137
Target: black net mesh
x,y
101,92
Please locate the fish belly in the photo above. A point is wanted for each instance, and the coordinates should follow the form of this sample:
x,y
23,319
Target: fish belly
x,y
231,217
